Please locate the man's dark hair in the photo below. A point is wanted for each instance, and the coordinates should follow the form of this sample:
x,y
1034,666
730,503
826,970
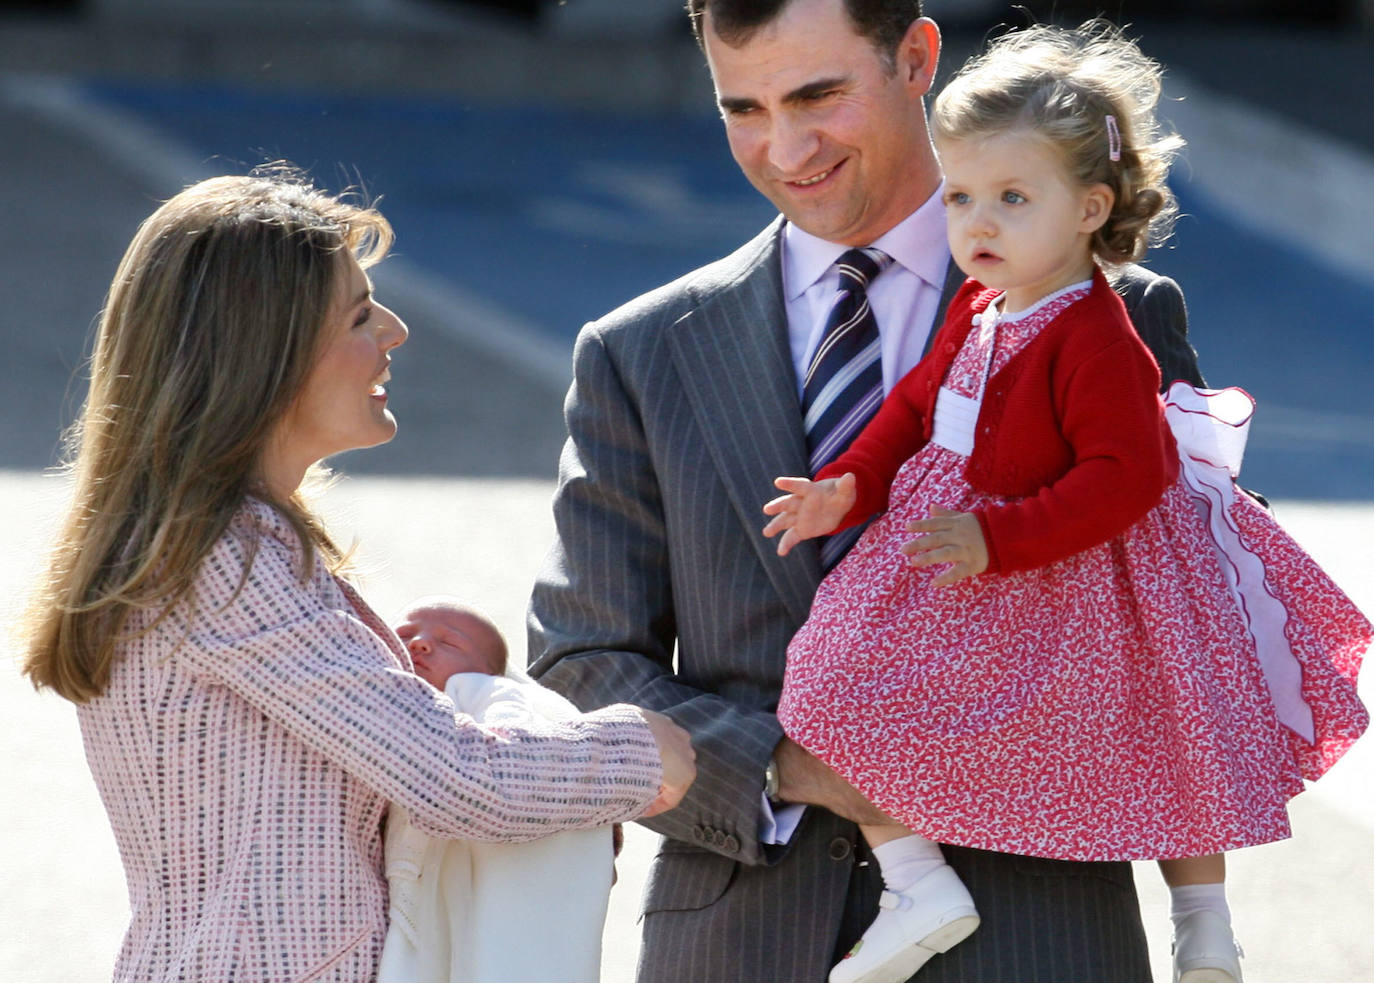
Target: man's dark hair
x,y
883,22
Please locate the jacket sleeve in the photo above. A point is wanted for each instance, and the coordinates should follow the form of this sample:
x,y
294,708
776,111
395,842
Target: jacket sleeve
x,y
602,617
1109,414
323,675
1160,317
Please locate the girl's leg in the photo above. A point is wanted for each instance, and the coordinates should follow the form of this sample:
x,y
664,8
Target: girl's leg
x,y
1185,871
1204,948
902,856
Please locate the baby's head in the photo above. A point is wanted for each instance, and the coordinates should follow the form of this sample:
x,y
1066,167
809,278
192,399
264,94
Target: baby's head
x,y
445,636
1090,94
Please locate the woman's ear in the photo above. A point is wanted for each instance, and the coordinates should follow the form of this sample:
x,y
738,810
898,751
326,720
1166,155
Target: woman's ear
x,y
1098,200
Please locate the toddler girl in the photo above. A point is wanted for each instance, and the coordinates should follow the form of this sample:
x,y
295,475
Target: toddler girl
x,y
1094,648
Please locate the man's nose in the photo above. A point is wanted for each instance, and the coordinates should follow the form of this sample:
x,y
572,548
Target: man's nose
x,y
792,144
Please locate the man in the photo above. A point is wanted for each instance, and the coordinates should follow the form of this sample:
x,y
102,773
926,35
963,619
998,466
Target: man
x,y
661,590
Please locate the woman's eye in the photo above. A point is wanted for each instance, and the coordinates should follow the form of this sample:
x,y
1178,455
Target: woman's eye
x,y
364,316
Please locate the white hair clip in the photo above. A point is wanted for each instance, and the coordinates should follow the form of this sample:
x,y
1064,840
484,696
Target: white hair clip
x,y
1113,139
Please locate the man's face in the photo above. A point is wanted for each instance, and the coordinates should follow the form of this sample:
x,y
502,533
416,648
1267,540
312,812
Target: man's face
x,y
822,124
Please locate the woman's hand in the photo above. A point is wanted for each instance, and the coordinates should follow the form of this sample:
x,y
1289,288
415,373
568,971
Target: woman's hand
x,y
679,762
810,508
955,538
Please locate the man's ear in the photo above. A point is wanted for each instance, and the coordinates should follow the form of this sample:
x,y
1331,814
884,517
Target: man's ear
x,y
1097,207
918,55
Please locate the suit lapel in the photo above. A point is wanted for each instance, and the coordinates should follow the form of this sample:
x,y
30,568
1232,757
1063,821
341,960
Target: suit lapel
x,y
954,279
735,362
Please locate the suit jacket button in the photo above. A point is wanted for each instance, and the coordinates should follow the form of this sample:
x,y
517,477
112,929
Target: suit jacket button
x,y
718,838
699,834
731,844
840,848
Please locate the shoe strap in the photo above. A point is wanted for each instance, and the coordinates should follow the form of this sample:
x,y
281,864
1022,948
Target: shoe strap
x,y
893,901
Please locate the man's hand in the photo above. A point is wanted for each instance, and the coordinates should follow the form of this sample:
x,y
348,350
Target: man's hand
x,y
802,777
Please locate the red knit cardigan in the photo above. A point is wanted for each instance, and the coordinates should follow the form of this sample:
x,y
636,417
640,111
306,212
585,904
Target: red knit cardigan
x,y
1072,428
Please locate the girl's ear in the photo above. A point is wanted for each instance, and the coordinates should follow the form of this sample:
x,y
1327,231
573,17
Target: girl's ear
x,y
1097,207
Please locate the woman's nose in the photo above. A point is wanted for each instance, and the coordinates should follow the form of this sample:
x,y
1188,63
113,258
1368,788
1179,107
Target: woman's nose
x,y
394,331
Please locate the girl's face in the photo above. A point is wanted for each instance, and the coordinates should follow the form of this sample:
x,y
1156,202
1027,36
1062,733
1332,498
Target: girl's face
x,y
1016,219
342,404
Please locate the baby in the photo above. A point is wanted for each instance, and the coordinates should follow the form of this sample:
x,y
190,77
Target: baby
x,y
465,910
446,638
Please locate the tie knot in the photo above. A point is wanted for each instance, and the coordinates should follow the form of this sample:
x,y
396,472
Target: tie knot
x,y
860,266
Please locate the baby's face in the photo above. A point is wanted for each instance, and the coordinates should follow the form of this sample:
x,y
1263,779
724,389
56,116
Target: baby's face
x,y
444,640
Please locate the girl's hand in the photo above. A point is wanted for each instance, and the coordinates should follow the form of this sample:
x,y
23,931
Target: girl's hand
x,y
950,537
811,508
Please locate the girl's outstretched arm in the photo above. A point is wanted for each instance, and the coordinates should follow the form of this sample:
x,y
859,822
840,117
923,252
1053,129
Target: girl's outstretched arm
x,y
810,508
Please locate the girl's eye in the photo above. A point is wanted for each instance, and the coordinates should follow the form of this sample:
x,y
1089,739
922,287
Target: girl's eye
x,y
956,198
1013,197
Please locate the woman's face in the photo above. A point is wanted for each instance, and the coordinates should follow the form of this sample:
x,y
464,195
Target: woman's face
x,y
342,405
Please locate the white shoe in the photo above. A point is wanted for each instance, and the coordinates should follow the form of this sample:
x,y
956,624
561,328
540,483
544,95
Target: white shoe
x,y
933,915
1205,951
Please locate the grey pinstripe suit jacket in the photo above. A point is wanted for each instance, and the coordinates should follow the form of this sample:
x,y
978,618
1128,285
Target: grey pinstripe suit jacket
x,y
661,591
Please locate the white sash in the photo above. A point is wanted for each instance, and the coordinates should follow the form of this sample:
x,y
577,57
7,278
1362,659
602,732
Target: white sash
x,y
956,415
1210,426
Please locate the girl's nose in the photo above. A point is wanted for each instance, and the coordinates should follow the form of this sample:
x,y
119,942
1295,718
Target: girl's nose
x,y
982,224
418,646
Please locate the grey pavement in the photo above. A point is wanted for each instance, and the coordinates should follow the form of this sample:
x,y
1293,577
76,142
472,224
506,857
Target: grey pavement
x,y
480,432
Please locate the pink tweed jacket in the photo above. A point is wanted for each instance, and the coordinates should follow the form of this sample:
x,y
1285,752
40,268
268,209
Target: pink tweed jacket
x,y
246,750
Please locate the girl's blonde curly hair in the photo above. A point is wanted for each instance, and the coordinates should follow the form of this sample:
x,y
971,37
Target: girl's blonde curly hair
x,y
1063,84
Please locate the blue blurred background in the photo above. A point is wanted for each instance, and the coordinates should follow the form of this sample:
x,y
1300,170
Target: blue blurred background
x,y
576,143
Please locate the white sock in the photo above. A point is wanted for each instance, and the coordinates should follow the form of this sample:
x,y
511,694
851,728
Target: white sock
x,y
1192,898
906,860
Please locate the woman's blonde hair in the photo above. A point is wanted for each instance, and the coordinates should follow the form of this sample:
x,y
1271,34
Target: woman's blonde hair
x,y
211,325
1063,84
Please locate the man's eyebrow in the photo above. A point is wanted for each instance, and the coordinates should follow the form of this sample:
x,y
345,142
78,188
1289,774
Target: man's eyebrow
x,y
812,89
801,93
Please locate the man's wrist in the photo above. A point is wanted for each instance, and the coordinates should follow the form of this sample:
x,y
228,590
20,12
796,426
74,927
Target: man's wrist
x,y
771,780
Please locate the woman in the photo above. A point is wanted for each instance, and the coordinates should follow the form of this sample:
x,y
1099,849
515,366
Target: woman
x,y
247,717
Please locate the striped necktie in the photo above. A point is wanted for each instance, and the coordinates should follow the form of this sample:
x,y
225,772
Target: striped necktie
x,y
844,382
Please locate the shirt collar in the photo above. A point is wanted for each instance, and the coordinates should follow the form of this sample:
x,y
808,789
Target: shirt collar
x,y
917,242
